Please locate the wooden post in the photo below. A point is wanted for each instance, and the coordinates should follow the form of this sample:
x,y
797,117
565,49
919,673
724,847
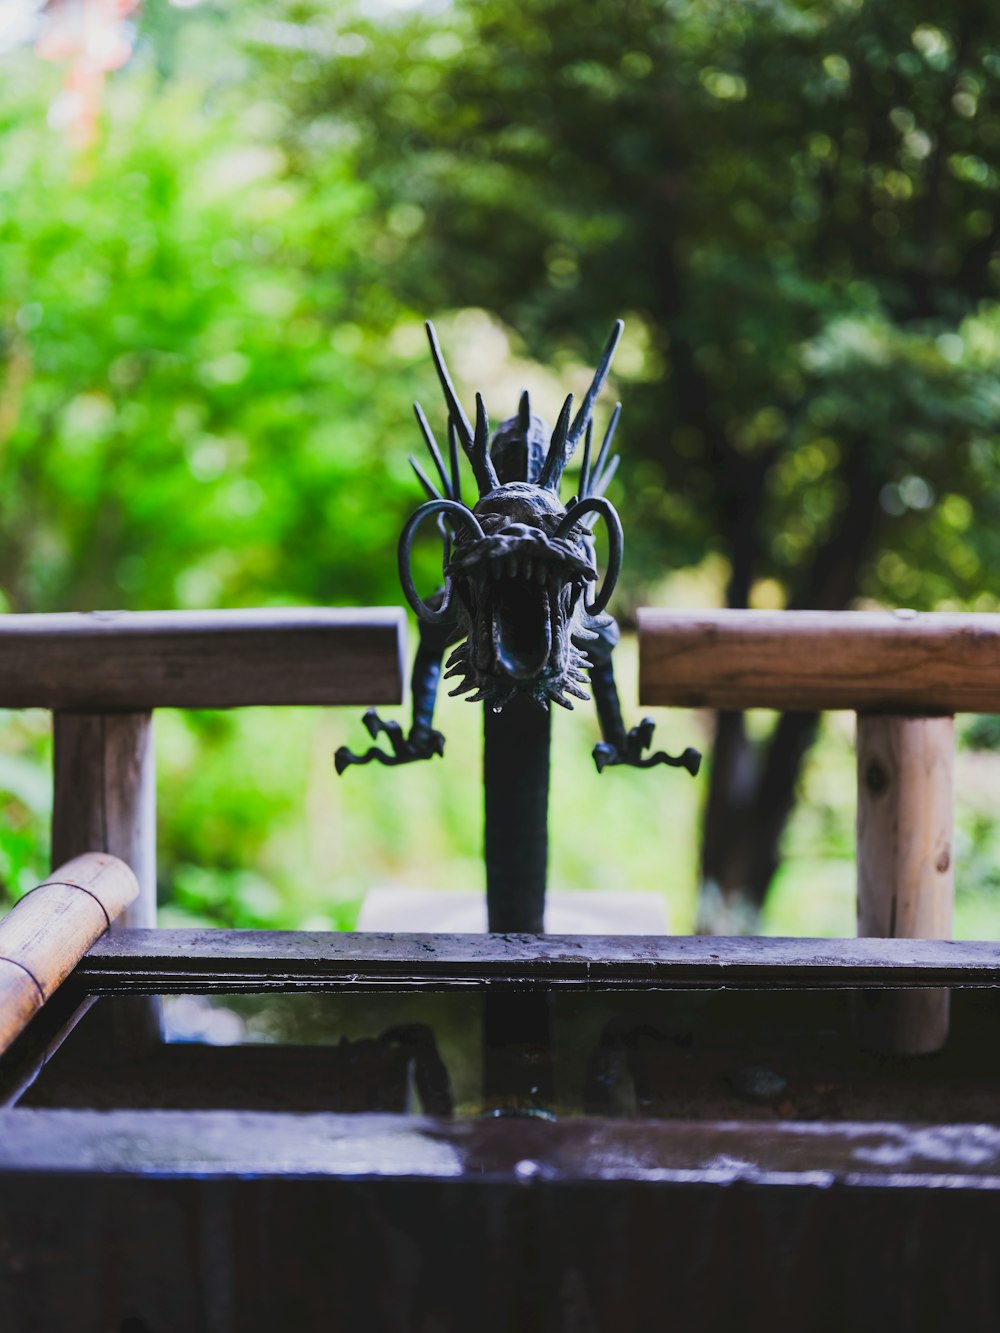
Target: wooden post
x,y
905,860
49,930
104,800
105,797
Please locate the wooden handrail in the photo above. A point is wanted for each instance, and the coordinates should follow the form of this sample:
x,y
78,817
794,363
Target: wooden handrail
x,y
110,661
891,661
103,673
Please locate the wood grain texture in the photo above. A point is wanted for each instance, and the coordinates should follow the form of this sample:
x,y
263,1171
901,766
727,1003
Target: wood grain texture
x,y
46,933
231,960
104,797
116,660
809,661
906,861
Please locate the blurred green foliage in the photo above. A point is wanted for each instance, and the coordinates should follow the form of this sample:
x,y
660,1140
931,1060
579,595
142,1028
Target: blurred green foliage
x,y
209,340
793,205
187,418
189,411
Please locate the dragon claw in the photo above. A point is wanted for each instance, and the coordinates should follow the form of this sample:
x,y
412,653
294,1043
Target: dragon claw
x,y
420,744
643,733
608,755
604,754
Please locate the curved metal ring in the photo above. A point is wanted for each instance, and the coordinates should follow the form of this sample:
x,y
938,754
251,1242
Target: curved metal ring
x,y
420,607
597,504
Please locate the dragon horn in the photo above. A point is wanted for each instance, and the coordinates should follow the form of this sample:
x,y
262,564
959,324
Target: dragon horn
x,y
524,413
432,491
596,384
585,465
475,448
456,480
609,435
479,455
551,473
432,448
606,510
599,485
557,457
455,410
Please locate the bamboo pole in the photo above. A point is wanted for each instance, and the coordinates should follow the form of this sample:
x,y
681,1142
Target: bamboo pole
x,y
49,930
905,863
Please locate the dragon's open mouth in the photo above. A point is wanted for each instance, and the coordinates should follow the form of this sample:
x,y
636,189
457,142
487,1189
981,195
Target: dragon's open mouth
x,y
520,587
522,625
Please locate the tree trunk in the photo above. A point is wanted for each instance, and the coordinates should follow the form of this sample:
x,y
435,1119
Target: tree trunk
x,y
752,792
753,786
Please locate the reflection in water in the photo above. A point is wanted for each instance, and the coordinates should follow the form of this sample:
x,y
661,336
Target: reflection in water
x,y
199,1018
415,1052
679,1055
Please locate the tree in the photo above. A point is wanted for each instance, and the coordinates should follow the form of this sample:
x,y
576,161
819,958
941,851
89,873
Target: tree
x,y
794,206
187,416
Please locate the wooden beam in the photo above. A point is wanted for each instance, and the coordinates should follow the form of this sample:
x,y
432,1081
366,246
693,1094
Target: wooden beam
x,y
900,661
134,661
906,863
240,960
46,933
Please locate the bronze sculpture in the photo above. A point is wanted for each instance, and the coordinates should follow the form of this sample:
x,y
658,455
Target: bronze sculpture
x,y
518,568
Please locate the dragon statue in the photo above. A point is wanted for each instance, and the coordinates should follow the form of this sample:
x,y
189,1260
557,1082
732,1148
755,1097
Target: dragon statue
x,y
519,573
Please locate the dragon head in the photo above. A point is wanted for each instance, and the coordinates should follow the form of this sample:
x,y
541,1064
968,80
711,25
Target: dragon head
x,y
519,565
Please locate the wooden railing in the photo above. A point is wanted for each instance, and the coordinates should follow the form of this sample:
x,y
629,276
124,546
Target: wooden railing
x,y
858,1206
906,675
103,674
